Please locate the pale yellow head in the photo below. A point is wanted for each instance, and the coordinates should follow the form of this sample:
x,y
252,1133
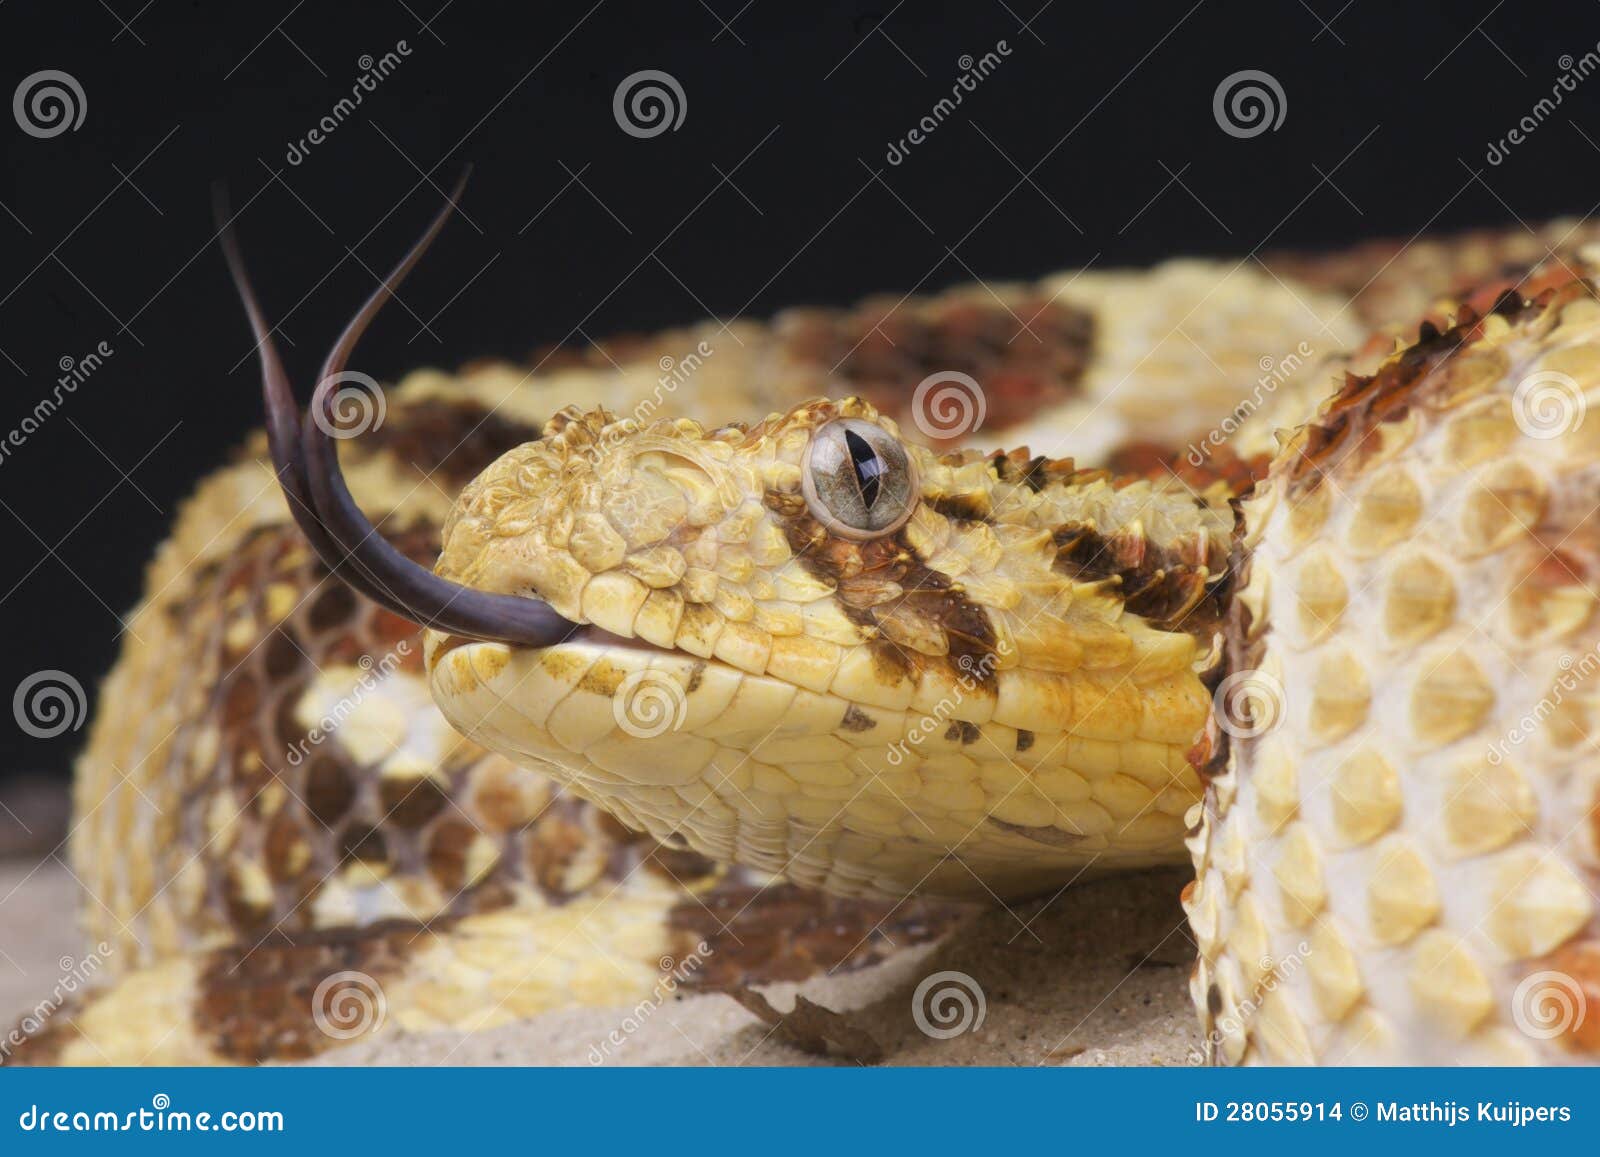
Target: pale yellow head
x,y
811,647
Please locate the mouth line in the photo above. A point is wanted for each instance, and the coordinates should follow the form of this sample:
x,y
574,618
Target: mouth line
x,y
581,633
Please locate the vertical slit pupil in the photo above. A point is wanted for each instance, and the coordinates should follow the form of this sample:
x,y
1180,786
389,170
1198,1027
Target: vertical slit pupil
x,y
868,466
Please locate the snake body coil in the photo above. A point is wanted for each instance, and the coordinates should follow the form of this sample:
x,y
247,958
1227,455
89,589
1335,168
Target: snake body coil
x,y
832,659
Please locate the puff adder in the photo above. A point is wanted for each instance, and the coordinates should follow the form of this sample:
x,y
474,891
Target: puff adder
x,y
833,666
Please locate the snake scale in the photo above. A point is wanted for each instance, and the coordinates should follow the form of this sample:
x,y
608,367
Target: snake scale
x,y
1292,561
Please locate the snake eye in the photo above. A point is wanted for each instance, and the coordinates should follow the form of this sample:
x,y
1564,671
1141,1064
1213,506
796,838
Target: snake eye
x,y
857,479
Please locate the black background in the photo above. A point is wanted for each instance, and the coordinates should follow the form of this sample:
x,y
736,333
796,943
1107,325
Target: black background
x,y
1094,141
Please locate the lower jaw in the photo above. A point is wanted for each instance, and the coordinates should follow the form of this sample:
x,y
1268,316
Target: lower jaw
x,y
720,761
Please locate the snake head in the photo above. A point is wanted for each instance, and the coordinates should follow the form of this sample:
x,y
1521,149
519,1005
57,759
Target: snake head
x,y
811,646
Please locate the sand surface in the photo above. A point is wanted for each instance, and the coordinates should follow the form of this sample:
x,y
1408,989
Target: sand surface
x,y
38,932
1098,975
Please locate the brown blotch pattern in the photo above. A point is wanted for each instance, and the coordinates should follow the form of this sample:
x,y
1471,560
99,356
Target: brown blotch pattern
x,y
971,507
451,440
304,805
856,719
1341,432
1180,586
1028,355
1018,469
260,1002
961,731
761,933
857,572
1159,462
